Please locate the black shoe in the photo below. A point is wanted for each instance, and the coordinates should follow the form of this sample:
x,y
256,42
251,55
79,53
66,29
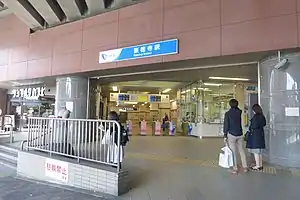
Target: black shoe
x,y
257,169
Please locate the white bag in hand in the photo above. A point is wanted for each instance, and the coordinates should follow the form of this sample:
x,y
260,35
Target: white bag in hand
x,y
226,157
107,138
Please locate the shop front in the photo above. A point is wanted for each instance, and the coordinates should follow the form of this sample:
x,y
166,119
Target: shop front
x,y
29,102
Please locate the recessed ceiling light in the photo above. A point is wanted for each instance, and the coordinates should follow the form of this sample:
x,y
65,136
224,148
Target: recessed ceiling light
x,y
228,78
115,88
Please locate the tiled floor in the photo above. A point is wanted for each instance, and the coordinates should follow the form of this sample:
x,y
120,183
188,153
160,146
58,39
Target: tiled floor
x,y
178,168
185,169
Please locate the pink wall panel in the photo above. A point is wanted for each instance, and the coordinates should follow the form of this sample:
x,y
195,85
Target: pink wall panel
x,y
260,35
98,20
193,16
68,43
234,11
171,3
19,54
142,61
199,43
247,26
141,27
146,7
12,38
17,71
66,63
4,56
90,60
40,47
101,36
66,28
39,68
3,74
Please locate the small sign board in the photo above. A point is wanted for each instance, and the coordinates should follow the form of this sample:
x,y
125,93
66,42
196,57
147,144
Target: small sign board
x,y
56,170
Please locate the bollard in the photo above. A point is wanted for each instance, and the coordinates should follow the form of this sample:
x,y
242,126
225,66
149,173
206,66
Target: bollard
x,y
172,128
190,128
143,128
157,130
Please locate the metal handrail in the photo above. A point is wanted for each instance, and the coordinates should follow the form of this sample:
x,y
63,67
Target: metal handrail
x,y
81,139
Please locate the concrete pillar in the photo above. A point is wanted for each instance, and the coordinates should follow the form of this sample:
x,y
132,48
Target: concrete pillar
x,y
239,91
72,93
279,98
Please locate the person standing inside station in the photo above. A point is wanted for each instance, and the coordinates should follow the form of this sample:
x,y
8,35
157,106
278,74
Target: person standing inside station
x,y
233,134
164,120
256,137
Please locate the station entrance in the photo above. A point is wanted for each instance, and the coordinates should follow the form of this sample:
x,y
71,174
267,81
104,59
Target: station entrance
x,y
175,102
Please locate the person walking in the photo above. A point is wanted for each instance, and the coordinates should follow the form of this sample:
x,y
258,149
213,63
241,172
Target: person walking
x,y
255,137
233,134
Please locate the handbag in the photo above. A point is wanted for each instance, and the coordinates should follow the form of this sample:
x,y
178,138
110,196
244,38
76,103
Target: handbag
x,y
226,157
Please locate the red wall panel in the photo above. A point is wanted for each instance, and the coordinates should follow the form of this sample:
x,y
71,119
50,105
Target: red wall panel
x,y
193,16
204,42
260,35
4,54
205,28
234,11
66,63
3,74
17,71
140,27
39,68
39,47
19,54
67,43
90,60
101,36
141,9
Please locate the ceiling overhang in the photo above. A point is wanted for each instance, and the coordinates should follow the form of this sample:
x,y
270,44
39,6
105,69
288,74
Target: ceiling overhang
x,y
41,14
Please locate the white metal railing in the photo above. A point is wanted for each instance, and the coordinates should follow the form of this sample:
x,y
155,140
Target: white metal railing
x,y
83,139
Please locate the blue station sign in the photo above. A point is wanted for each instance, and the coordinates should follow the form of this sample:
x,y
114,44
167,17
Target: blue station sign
x,y
161,48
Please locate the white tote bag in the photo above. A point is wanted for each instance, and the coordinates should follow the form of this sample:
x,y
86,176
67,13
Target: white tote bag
x,y
226,157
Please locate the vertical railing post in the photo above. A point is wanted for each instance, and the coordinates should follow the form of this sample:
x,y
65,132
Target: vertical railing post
x,y
119,146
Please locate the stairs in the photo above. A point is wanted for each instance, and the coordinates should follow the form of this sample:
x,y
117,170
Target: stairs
x,y
8,156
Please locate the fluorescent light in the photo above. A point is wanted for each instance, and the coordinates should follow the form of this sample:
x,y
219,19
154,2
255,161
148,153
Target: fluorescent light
x,y
167,90
115,88
212,84
129,102
183,92
204,89
219,94
228,78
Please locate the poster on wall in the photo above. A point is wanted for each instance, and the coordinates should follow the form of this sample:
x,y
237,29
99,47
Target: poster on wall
x,y
292,112
57,170
69,106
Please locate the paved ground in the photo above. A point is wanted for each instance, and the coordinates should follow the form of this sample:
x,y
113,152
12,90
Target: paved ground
x,y
164,168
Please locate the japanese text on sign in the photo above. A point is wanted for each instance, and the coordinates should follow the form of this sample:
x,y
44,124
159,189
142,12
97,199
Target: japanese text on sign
x,y
56,169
